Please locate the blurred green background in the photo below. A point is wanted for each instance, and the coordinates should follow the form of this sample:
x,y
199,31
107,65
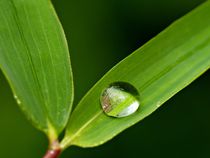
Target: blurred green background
x,y
101,33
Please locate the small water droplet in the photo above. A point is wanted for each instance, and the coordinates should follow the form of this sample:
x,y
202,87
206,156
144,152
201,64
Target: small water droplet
x,y
158,104
120,99
17,99
15,96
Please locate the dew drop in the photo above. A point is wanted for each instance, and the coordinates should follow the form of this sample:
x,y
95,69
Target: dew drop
x,y
17,99
15,96
120,99
158,104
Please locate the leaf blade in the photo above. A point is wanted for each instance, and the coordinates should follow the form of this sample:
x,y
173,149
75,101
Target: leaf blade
x,y
34,57
159,69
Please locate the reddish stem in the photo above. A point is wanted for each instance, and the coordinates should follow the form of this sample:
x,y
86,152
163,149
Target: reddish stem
x,y
53,153
54,150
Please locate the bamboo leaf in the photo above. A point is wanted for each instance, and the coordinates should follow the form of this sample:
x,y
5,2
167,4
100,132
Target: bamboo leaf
x,y
34,57
159,69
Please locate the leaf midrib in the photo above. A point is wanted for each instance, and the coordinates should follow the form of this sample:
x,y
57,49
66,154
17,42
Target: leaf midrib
x,y
30,59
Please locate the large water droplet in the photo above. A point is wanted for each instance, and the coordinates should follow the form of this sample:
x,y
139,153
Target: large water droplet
x,y
120,99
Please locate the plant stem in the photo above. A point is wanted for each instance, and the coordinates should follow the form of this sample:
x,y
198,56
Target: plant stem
x,y
54,150
52,154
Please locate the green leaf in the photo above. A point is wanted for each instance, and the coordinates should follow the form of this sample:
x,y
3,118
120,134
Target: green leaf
x,y
159,69
34,57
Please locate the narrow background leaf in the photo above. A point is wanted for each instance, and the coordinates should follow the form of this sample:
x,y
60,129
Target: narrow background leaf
x,y
34,57
159,69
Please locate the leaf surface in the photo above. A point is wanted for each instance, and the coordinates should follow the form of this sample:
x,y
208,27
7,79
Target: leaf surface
x,y
159,69
35,59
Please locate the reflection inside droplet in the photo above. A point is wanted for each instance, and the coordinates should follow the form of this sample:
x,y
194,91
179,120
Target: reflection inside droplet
x,y
120,99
